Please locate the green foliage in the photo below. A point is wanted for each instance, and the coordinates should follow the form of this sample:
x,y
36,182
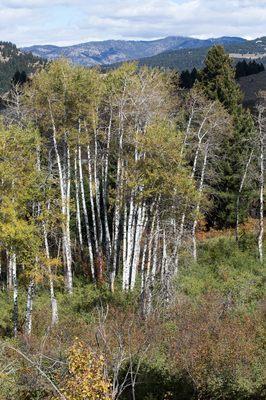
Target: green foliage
x,y
217,78
19,189
223,268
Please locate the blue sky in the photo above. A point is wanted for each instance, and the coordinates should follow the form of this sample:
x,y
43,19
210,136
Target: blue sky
x,y
65,22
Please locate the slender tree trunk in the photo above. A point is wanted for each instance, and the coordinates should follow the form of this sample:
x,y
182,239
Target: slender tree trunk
x,y
9,271
15,292
97,195
78,217
147,292
125,275
68,237
200,136
117,214
54,308
195,222
85,214
242,183
128,242
105,197
92,190
261,229
30,293
65,191
140,223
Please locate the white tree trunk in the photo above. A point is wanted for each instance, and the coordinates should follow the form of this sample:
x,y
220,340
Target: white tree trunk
x,y
9,271
240,192
140,224
85,214
54,308
195,222
77,189
28,324
13,261
261,229
64,181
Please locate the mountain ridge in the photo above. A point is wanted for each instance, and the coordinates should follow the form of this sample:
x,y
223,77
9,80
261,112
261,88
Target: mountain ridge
x,y
112,51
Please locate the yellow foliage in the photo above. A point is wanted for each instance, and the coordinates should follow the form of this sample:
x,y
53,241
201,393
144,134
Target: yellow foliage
x,y
86,380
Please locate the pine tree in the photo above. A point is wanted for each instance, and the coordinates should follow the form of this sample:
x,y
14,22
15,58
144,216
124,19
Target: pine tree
x,y
217,80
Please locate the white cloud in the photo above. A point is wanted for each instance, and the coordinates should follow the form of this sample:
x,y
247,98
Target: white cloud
x,y
72,21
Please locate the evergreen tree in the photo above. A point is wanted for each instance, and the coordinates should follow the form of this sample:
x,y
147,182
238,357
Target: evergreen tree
x,y
194,75
217,80
19,78
187,79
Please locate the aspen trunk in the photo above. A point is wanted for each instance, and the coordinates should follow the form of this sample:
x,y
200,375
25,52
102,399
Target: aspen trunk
x,y
261,229
242,183
105,199
9,271
78,217
85,214
13,261
92,190
140,223
64,181
54,308
117,216
97,195
195,222
28,324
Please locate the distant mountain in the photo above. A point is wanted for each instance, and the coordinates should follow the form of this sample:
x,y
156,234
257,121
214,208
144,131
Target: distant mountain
x,y
11,60
113,51
189,58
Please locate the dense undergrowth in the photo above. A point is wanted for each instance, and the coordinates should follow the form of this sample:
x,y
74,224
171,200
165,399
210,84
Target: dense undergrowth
x,y
208,343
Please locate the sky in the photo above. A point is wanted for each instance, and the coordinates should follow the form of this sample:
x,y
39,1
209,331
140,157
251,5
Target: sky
x,y
66,22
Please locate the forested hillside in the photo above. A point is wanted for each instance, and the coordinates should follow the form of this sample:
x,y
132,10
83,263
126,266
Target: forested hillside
x,y
251,85
190,58
132,236
13,60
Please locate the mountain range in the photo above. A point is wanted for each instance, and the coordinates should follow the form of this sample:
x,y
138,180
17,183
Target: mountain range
x,y
114,51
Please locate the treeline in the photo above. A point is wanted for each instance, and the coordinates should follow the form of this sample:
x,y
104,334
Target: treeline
x,y
105,178
243,68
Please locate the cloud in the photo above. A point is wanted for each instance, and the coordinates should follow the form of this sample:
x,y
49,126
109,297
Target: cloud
x,y
73,21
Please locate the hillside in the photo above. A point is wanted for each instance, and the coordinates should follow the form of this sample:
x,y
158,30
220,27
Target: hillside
x,y
113,51
189,58
11,60
251,85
